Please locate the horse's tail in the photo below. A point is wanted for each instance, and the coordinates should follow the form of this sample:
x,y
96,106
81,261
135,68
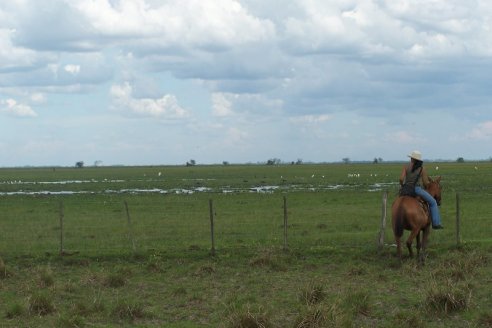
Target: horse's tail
x,y
399,221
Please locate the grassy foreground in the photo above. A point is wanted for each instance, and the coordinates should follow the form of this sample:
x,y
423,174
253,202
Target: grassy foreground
x,y
158,272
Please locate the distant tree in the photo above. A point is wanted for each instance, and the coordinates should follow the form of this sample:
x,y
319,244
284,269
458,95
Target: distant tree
x,y
299,161
273,161
98,163
346,160
225,163
460,160
377,160
79,164
192,162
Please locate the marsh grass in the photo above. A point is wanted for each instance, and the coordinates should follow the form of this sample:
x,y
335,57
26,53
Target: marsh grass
x,y
46,277
15,310
358,302
485,319
330,276
313,293
312,318
68,320
324,315
270,258
129,310
447,298
246,318
409,319
115,280
41,303
5,272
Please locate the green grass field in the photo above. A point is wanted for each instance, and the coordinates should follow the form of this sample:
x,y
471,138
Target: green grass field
x,y
157,271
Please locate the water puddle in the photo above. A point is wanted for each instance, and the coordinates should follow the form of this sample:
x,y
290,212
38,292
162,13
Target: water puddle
x,y
262,189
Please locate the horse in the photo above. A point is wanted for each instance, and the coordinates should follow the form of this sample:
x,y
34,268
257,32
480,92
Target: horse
x,y
413,213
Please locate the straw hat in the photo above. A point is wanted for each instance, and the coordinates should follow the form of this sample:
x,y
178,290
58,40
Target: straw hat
x,y
416,155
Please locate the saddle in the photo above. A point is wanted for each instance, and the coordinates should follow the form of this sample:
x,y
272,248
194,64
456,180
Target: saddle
x,y
425,206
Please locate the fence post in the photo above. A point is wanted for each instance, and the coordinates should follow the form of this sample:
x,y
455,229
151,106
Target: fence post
x,y
285,223
62,214
212,232
383,221
130,229
458,232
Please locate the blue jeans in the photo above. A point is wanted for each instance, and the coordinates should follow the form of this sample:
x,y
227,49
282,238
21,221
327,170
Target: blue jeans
x,y
436,218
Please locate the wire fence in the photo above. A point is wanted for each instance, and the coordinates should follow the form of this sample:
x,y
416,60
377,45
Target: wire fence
x,y
100,225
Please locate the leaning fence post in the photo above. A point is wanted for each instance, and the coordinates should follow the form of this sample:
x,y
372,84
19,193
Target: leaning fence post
x,y
383,220
62,214
130,229
458,232
212,233
285,223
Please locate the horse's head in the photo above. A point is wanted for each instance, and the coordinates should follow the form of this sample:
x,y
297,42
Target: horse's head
x,y
434,189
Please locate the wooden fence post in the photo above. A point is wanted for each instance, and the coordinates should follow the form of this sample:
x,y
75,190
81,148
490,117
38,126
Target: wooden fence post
x,y
62,214
285,223
130,228
212,232
382,232
458,232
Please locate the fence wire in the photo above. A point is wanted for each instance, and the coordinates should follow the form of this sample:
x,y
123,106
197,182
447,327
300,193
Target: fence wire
x,y
95,224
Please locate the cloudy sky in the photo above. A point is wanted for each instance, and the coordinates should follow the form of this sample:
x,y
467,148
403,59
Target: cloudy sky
x,y
139,82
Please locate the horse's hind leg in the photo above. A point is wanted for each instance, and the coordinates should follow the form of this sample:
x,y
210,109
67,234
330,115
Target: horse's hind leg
x,y
410,239
398,246
419,245
425,238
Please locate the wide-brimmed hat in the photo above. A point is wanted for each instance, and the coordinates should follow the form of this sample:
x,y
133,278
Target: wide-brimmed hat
x,y
416,155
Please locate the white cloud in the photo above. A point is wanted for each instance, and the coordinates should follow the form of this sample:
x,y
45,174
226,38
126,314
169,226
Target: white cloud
x,y
311,119
286,68
13,57
482,131
38,97
404,137
221,105
199,22
11,107
165,107
72,69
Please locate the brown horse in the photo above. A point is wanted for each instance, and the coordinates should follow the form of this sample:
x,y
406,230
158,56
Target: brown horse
x,y
413,213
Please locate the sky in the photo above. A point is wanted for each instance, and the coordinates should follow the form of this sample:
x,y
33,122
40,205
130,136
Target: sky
x,y
150,82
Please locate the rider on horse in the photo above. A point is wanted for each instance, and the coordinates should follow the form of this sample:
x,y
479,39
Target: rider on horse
x,y
411,177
